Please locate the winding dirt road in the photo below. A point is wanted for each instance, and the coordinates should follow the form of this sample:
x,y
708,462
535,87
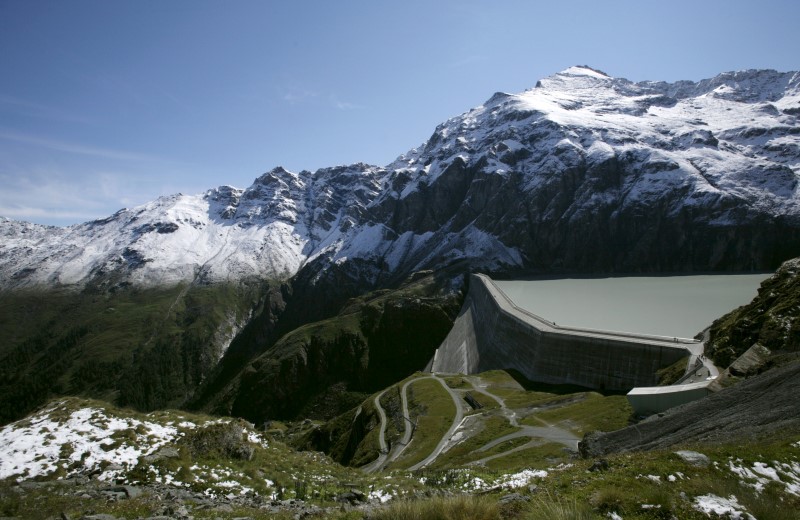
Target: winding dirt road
x,y
538,435
380,462
453,427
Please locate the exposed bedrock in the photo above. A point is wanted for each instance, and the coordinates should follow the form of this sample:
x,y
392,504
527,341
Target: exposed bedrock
x,y
761,406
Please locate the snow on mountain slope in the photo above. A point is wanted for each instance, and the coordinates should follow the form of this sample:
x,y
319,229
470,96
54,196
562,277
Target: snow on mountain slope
x,y
737,133
527,180
267,230
582,149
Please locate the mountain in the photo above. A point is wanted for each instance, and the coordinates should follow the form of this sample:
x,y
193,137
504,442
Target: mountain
x,y
226,234
582,172
186,298
590,173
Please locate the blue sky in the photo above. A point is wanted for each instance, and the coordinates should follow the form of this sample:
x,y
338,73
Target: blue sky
x,y
109,104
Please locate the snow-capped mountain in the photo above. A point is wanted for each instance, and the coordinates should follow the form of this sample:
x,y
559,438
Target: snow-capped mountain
x,y
582,172
267,230
589,172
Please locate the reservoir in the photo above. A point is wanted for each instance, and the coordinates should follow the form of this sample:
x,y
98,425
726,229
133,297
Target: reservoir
x,y
677,306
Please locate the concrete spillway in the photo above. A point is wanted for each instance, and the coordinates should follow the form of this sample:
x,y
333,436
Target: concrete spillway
x,y
491,332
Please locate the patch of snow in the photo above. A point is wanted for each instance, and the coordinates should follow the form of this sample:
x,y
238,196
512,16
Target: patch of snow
x,y
520,479
381,495
257,438
725,139
584,71
721,506
768,472
654,478
40,445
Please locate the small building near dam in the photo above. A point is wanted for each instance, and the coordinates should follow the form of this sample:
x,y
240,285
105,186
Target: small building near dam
x,y
650,400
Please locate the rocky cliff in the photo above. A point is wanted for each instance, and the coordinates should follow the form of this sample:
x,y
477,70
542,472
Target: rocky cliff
x,y
584,172
770,320
323,368
760,407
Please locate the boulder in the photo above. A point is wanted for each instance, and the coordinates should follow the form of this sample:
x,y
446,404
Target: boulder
x,y
694,458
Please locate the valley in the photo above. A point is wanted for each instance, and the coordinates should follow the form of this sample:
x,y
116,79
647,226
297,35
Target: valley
x,y
331,343
517,443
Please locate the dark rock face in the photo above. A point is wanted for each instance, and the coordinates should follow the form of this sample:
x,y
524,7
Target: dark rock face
x,y
588,173
583,173
375,341
770,320
551,228
221,439
763,405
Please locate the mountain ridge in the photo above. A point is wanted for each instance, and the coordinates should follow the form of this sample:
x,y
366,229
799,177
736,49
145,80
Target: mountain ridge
x,y
500,186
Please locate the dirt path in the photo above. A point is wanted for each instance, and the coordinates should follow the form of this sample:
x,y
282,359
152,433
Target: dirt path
x,y
408,432
547,432
453,427
380,462
538,435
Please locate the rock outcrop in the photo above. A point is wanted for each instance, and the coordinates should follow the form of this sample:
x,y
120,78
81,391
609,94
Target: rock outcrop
x,y
771,320
584,172
761,406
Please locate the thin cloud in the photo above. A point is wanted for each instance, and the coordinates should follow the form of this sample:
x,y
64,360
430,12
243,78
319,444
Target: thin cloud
x,y
65,146
296,96
34,214
37,110
54,197
344,105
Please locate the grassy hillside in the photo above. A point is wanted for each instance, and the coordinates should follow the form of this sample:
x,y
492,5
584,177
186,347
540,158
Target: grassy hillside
x,y
77,457
321,369
143,348
542,426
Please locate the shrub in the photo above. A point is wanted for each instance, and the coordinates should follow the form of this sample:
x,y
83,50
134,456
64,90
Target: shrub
x,y
554,508
462,507
221,439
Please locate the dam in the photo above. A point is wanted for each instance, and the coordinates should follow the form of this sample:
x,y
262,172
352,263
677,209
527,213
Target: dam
x,y
491,332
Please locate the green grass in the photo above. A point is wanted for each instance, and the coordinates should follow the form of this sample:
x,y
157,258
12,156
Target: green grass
x,y
594,412
557,508
465,451
368,448
63,342
432,408
459,382
536,457
515,396
626,485
671,374
56,500
500,378
462,507
394,416
487,404
659,479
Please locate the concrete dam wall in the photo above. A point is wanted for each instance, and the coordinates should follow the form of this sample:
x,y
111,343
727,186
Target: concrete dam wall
x,y
491,332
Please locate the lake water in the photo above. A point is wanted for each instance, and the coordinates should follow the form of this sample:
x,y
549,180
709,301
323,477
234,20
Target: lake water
x,y
678,306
